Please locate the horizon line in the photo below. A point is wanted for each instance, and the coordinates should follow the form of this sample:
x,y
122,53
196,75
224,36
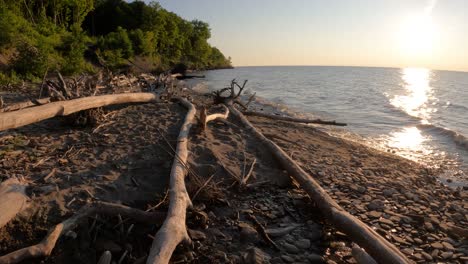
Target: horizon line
x,y
357,66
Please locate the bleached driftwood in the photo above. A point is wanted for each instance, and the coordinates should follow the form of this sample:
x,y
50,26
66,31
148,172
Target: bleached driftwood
x,y
13,199
379,248
31,115
292,119
45,247
204,119
174,230
19,106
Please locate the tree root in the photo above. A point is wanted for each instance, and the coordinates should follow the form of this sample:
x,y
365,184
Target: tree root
x,y
45,247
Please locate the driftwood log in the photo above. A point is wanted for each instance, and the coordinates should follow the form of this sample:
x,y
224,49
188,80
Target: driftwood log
x,y
292,119
174,230
31,115
13,199
19,106
379,248
45,247
204,118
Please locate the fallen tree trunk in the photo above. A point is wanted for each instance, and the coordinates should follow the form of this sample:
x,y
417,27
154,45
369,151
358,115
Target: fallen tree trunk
x,y
174,230
12,199
62,108
292,119
19,106
45,247
379,248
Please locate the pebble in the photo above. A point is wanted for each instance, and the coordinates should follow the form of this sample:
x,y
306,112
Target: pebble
x,y
426,256
374,214
196,235
303,243
287,258
290,248
446,255
407,251
376,204
437,245
448,246
248,233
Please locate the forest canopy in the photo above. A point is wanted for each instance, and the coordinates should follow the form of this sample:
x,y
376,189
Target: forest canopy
x,y
73,36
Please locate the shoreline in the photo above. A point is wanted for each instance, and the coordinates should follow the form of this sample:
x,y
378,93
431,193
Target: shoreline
x,y
262,104
375,186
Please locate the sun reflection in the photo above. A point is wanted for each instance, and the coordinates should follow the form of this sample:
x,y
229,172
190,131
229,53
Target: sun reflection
x,y
418,94
409,138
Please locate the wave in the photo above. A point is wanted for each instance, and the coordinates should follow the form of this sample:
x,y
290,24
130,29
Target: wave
x,y
457,138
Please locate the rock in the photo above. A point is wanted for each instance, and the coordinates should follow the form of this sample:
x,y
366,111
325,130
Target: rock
x,y
418,256
448,246
374,214
314,258
287,258
389,192
386,221
429,227
407,251
399,240
376,204
426,256
196,235
303,243
446,255
256,256
290,248
248,233
437,245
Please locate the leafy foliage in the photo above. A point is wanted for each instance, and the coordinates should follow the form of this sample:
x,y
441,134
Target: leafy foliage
x,y
64,34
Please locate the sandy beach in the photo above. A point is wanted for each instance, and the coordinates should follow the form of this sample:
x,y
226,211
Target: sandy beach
x,y
126,159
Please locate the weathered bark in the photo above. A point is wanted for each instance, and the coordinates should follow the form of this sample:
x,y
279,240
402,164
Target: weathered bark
x,y
19,106
13,199
174,230
62,108
45,247
379,248
292,119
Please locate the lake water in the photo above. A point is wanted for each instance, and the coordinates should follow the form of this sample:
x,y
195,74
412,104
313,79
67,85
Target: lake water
x,y
420,114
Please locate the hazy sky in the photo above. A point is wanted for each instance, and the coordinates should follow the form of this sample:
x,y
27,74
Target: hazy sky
x,y
392,33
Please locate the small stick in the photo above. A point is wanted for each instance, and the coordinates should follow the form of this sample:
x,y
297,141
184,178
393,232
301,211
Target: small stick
x,y
262,231
51,174
40,162
203,186
135,181
159,204
71,201
246,177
